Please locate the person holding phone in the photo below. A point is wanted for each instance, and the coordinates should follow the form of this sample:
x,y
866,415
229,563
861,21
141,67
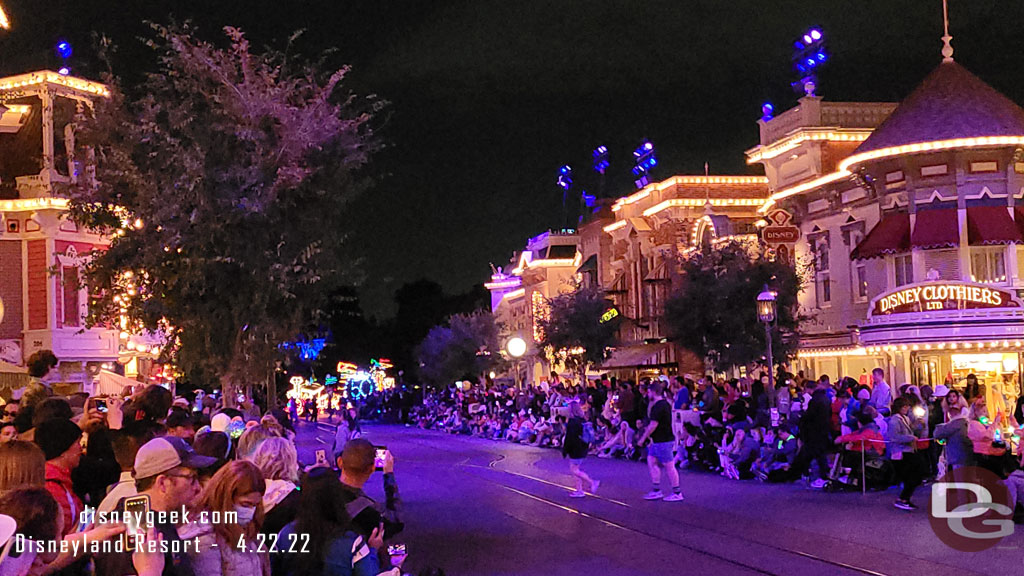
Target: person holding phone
x,y
166,473
357,463
331,544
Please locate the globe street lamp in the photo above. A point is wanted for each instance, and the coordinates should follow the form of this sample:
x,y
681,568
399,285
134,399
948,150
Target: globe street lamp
x,y
766,311
516,347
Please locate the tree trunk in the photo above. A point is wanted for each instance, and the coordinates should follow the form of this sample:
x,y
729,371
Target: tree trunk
x,y
272,390
230,392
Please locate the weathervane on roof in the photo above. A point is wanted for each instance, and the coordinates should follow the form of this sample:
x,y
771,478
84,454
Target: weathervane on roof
x,y
947,47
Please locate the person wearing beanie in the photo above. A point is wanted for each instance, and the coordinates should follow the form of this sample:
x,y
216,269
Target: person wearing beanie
x,y
60,440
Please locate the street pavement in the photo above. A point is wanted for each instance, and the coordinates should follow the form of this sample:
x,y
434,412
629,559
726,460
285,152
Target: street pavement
x,y
479,507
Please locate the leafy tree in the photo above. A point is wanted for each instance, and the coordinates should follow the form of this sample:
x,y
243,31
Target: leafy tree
x,y
575,330
467,346
223,181
421,305
712,311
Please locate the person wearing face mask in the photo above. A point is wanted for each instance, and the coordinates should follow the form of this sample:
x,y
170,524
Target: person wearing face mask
x,y
228,548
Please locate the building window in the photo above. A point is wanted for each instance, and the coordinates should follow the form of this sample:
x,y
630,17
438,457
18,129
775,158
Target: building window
x,y
987,265
860,281
904,269
823,280
71,290
824,290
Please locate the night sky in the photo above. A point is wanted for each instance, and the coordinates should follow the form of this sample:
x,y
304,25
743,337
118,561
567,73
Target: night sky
x,y
489,98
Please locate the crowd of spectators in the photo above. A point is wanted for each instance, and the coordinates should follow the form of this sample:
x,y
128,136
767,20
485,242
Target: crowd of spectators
x,y
253,508
837,435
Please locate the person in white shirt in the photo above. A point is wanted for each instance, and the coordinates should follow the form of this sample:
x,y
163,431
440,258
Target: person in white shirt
x,y
125,447
881,392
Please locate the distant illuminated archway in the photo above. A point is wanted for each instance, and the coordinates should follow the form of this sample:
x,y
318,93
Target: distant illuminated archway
x,y
704,232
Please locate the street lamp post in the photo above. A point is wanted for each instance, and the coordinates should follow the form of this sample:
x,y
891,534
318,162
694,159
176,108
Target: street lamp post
x,y
766,310
516,347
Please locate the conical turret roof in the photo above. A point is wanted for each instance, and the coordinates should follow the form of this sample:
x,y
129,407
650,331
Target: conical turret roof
x,y
950,103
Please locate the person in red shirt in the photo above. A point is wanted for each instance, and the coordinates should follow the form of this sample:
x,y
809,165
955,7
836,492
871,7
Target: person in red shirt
x,y
60,440
867,438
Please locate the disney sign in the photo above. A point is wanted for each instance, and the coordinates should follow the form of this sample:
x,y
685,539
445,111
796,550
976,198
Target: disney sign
x,y
937,296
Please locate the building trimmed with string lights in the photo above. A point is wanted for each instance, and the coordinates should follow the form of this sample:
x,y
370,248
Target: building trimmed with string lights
x,y
650,229
912,224
43,303
546,267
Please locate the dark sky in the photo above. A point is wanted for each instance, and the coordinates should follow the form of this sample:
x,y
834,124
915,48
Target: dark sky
x,y
488,98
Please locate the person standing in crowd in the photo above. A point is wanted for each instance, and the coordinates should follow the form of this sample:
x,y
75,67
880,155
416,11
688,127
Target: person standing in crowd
x,y
710,400
334,547
982,429
959,450
42,370
228,548
902,436
60,441
659,454
973,389
575,447
626,403
346,430
166,470
22,464
181,425
815,427
126,446
881,392
357,466
251,439
8,431
278,461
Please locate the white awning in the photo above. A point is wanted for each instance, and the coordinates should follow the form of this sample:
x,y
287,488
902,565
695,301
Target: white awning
x,y
112,384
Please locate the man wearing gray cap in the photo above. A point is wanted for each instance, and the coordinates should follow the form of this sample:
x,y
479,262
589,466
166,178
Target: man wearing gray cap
x,y
166,470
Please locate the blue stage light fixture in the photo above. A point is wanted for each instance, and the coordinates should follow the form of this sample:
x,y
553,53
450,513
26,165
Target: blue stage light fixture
x,y
644,160
767,111
64,49
565,177
64,71
600,159
809,55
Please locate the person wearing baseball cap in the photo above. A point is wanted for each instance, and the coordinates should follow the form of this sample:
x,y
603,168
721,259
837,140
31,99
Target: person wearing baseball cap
x,y
166,470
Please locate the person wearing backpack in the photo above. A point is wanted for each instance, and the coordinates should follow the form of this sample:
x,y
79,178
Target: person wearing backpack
x,y
575,446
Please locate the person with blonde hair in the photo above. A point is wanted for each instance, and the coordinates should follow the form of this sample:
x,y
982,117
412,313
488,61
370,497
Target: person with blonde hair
x,y
251,439
278,462
22,465
982,430
575,446
233,507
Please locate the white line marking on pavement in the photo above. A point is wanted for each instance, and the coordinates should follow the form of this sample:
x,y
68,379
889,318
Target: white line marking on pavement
x,y
566,508
548,482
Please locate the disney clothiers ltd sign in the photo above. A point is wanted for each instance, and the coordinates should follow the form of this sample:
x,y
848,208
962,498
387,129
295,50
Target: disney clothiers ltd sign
x,y
937,296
